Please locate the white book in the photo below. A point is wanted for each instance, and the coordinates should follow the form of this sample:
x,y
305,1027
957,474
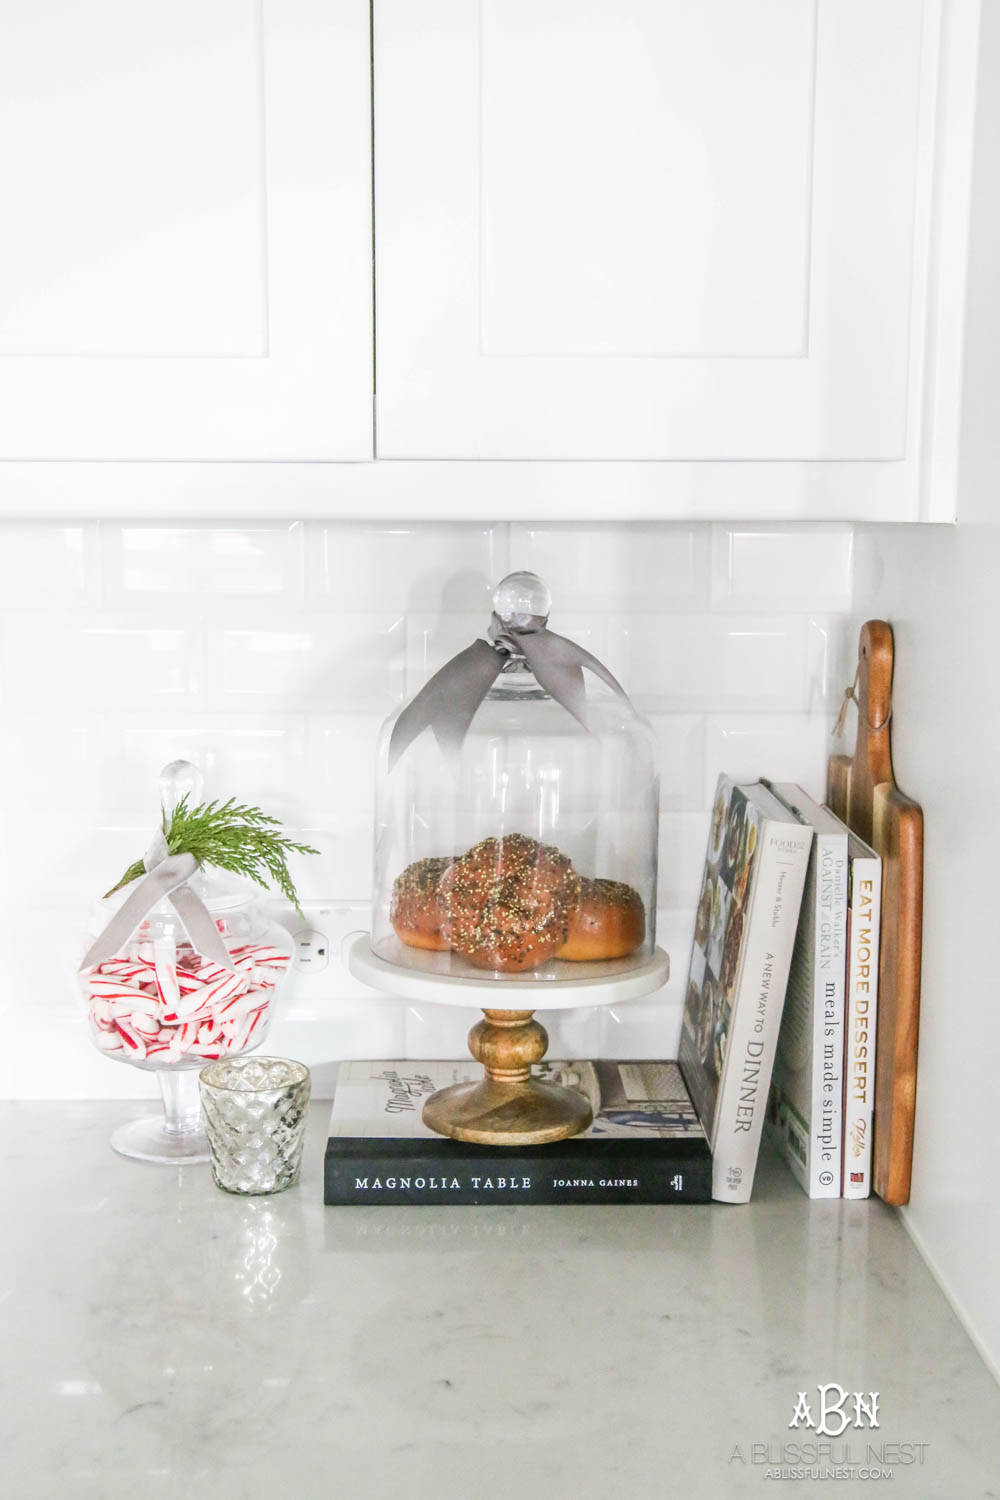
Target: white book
x,y
744,933
863,930
807,1104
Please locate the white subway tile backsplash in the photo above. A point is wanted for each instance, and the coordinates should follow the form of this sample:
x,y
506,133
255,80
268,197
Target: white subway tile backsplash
x,y
63,755
758,567
782,748
256,758
661,569
683,842
314,663
342,868
428,568
101,662
341,761
691,663
269,655
49,567
572,1033
680,756
437,1030
831,655
145,565
651,1027
639,1029
59,858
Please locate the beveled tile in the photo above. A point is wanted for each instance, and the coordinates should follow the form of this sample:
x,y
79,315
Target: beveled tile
x,y
315,662
148,564
397,567
680,754
658,568
780,747
257,758
705,663
101,661
49,566
770,567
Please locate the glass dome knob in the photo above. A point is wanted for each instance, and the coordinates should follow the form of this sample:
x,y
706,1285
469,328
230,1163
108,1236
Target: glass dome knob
x,y
178,780
522,599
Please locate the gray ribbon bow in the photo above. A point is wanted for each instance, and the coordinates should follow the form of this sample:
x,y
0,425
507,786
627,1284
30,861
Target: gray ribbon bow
x,y
448,702
166,876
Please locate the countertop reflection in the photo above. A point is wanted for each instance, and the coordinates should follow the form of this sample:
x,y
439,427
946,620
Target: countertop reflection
x,y
159,1333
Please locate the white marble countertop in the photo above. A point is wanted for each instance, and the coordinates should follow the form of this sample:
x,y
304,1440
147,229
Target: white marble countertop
x,y
161,1338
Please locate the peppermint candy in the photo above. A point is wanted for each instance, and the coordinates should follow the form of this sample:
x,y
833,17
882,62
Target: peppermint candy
x,y
147,1007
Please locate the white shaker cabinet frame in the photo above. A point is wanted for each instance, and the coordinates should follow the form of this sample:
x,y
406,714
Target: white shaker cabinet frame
x,y
185,255
656,230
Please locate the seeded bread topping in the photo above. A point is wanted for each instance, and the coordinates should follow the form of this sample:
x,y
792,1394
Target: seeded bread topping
x,y
508,903
416,910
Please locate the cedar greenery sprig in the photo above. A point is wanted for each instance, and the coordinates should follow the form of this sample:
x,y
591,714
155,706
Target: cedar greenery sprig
x,y
232,837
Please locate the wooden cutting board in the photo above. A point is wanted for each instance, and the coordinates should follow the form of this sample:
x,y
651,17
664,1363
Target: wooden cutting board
x,y
862,790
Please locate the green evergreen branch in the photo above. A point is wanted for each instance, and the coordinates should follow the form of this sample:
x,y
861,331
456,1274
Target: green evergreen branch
x,y
233,837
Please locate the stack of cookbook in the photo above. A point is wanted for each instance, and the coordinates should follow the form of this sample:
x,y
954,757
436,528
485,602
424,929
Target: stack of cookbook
x,y
779,1016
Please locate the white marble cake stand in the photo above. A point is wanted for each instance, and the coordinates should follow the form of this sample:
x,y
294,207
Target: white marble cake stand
x,y
507,1107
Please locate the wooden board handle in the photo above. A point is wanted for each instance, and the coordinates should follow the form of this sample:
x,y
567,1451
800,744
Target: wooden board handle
x,y
862,790
872,762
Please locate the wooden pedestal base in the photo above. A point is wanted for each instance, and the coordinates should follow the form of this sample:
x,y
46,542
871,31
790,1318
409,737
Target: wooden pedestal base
x,y
508,1107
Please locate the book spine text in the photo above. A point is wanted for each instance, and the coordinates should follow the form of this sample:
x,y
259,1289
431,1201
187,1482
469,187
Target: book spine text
x,y
757,1007
862,1007
829,972
398,1179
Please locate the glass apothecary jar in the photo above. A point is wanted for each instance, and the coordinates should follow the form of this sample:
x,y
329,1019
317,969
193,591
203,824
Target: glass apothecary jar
x,y
522,846
174,983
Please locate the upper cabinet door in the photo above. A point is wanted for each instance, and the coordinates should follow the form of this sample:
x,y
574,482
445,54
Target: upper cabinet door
x,y
185,258
649,229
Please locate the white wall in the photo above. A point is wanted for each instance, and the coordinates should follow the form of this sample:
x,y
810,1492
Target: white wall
x,y
938,587
270,653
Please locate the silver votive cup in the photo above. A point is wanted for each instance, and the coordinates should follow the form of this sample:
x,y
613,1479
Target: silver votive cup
x,y
255,1117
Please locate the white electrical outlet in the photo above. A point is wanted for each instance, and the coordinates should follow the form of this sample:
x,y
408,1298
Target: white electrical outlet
x,y
312,950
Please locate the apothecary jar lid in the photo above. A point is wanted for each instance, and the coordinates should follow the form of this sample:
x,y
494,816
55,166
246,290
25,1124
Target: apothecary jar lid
x,y
516,811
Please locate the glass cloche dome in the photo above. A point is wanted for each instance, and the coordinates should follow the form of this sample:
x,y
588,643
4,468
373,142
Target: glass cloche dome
x,y
517,811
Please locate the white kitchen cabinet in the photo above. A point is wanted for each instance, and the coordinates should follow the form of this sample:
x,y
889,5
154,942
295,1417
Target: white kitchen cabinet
x,y
658,230
185,253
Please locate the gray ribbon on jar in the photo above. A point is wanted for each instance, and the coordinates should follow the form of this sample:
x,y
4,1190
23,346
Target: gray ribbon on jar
x,y
166,877
448,702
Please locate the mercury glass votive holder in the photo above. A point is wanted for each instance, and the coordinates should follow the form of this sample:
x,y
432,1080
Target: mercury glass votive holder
x,y
255,1117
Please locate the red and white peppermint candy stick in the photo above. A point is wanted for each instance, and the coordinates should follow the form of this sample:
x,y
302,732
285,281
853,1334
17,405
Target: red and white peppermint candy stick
x,y
99,984
242,1005
189,983
264,954
241,1035
122,968
206,999
145,1005
133,1043
165,964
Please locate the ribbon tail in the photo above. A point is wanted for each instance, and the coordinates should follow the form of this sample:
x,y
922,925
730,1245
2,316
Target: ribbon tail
x,y
199,924
558,664
448,702
149,892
